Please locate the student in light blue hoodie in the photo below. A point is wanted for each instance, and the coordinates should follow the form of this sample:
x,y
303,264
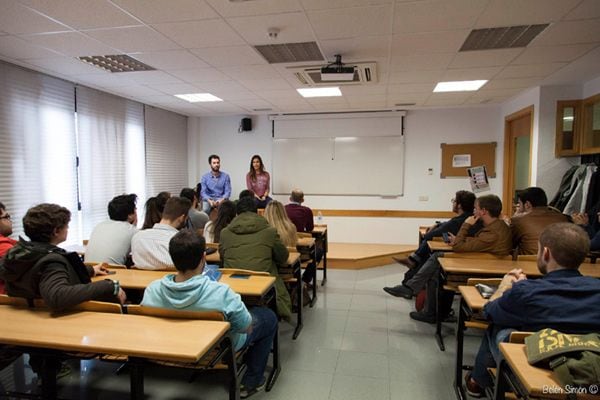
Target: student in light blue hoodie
x,y
190,290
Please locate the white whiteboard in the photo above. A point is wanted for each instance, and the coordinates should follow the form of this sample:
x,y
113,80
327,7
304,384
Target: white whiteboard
x,y
360,165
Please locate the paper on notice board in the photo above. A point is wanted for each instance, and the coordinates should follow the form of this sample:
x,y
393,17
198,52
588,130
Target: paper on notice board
x,y
479,179
461,160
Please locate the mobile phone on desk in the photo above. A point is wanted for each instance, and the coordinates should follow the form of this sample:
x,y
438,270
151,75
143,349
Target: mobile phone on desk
x,y
446,237
111,272
240,276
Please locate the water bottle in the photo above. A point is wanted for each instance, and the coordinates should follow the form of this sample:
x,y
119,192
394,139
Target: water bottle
x,y
319,217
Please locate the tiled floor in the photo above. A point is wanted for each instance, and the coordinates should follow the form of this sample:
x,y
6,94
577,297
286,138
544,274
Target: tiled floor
x,y
357,343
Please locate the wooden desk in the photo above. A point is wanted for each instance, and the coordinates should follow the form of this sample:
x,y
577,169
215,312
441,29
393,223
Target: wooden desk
x,y
456,271
319,232
138,337
514,372
439,245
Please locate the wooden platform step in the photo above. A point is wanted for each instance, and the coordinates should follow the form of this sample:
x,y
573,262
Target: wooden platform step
x,y
364,255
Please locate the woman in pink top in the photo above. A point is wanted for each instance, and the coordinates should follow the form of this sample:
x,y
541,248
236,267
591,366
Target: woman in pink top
x,y
258,181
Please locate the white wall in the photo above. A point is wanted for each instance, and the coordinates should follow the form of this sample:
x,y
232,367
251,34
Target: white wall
x,y
425,130
591,88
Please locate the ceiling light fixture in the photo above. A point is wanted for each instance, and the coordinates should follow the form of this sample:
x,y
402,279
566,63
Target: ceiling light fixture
x,y
320,92
198,97
459,86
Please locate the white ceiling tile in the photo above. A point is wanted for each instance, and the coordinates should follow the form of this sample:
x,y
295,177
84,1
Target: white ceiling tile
x,y
415,76
218,88
351,22
517,12
511,83
329,4
133,39
65,65
71,44
353,90
447,99
17,48
470,74
406,98
549,54
428,42
265,84
230,56
486,101
175,88
421,62
357,49
152,77
276,95
586,9
105,80
295,108
252,104
570,32
197,34
411,88
484,58
233,96
136,90
251,72
199,75
257,7
529,70
441,15
17,19
222,106
293,28
172,59
366,98
484,93
155,11
83,14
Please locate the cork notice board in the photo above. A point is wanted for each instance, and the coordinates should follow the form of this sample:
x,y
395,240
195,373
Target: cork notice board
x,y
478,153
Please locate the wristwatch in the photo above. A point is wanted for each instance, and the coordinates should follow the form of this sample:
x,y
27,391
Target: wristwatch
x,y
116,287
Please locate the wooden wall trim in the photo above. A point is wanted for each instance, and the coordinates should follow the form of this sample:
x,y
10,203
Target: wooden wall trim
x,y
384,213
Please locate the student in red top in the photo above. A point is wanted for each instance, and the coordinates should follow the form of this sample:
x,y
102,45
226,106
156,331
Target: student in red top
x,y
300,215
5,242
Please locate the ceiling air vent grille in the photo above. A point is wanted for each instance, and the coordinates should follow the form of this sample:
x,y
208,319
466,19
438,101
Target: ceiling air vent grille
x,y
116,63
290,52
364,73
502,38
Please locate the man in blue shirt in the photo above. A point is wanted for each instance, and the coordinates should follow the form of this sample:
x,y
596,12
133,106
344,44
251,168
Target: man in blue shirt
x,y
562,299
215,185
190,290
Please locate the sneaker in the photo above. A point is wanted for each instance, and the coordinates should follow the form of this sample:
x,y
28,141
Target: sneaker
x,y
473,388
399,291
407,262
422,317
246,392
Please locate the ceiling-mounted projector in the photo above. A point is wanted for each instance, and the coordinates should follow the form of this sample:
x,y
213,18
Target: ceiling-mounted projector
x,y
336,71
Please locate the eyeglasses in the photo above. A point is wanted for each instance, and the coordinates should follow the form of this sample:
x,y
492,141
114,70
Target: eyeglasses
x,y
6,216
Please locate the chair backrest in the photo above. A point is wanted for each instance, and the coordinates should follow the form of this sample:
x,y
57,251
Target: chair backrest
x,y
91,305
527,257
212,245
518,337
243,271
13,301
170,313
484,256
303,234
485,281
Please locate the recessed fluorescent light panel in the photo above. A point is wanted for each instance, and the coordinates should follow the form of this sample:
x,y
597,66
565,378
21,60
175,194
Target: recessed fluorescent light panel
x,y
320,92
198,97
459,86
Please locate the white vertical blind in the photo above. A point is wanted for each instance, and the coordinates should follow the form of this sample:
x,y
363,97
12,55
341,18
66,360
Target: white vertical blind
x,y
111,152
37,144
166,151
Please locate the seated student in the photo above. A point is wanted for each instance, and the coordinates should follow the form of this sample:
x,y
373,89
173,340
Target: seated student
x,y
150,247
110,240
6,243
197,219
495,238
225,214
190,290
300,215
593,229
249,242
258,181
562,299
534,217
41,269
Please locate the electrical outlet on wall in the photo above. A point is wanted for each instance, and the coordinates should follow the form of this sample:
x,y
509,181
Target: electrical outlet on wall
x,y
429,171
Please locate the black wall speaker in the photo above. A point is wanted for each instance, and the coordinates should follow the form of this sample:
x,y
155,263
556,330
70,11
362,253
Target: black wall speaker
x,y
246,124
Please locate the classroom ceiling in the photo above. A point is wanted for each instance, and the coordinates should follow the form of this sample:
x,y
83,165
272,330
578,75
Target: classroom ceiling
x,y
208,46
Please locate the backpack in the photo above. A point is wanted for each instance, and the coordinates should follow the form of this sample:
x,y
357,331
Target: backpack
x,y
574,359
